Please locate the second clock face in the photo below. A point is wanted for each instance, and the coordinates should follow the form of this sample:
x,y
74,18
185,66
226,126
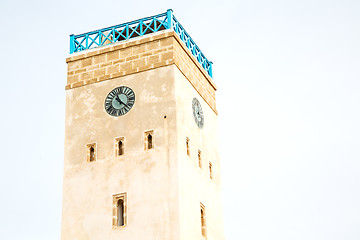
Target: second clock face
x,y
119,101
198,113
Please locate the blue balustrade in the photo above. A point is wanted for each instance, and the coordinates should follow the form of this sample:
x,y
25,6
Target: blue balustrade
x,y
138,28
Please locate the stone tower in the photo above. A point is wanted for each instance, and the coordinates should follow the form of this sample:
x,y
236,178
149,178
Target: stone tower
x,y
141,144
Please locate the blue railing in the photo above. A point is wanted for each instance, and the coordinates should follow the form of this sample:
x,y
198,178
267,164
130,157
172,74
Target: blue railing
x,y
138,28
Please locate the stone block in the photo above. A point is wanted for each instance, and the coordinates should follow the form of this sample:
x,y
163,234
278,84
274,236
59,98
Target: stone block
x,y
153,59
145,54
166,42
74,65
92,67
125,52
126,66
112,69
117,74
100,59
160,64
150,46
86,75
105,64
86,62
72,79
90,81
113,55
77,84
139,63
144,68
132,57
139,49
121,60
159,50
166,55
102,78
80,70
99,72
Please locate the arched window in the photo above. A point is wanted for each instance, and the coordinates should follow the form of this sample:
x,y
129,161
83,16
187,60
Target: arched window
x,y
120,210
203,220
91,154
149,141
188,146
121,147
199,159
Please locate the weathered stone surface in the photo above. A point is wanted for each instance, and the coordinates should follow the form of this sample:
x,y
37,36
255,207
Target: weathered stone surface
x,y
164,186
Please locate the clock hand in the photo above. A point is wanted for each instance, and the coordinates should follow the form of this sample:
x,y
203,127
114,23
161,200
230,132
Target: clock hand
x,y
126,104
121,102
118,99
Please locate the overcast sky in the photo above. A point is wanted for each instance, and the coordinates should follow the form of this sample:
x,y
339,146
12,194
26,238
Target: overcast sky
x,y
288,100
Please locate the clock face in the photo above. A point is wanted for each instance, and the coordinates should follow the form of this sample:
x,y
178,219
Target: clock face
x,y
119,101
198,113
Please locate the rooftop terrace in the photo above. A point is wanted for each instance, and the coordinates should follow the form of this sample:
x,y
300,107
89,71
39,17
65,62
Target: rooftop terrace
x,y
135,29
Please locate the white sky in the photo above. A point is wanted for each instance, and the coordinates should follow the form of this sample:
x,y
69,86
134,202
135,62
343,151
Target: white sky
x,y
288,76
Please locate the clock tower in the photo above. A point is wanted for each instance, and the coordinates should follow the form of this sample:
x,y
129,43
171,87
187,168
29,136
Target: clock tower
x,y
141,144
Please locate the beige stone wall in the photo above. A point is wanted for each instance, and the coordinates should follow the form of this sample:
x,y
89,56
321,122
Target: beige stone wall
x,y
149,178
195,185
137,55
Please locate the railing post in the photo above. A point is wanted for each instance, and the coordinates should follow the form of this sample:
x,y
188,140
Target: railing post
x,y
72,43
210,69
127,31
169,15
141,28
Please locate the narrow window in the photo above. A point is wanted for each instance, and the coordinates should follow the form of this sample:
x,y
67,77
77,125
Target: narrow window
x,y
188,147
119,146
149,142
120,215
203,220
199,159
119,210
91,152
210,170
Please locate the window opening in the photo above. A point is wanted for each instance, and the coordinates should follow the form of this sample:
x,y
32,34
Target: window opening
x,y
149,141
199,158
91,154
119,146
119,210
120,207
188,147
210,170
203,220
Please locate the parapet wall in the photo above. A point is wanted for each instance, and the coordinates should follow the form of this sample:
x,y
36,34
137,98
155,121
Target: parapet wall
x,y
137,55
